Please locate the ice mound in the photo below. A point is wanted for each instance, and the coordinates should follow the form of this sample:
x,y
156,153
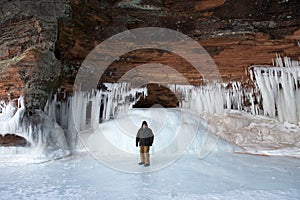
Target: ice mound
x,y
176,131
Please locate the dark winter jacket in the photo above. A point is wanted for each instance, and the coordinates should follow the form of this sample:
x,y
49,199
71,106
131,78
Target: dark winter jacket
x,y
145,137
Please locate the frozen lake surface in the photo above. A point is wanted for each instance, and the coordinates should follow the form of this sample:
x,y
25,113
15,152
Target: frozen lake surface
x,y
217,176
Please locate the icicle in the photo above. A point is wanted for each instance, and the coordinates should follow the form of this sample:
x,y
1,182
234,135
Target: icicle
x,y
280,90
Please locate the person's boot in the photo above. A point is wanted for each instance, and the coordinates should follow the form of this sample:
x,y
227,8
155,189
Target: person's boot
x,y
147,165
142,158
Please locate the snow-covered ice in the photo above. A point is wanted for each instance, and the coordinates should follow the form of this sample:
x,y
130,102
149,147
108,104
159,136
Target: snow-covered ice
x,y
217,176
223,173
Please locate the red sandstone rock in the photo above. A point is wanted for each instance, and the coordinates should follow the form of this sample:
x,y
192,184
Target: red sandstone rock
x,y
12,140
236,34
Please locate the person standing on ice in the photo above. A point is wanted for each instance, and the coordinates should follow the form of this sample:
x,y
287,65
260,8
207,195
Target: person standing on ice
x,y
145,139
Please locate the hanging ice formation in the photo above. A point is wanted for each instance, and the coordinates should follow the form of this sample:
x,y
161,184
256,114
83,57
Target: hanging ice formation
x,y
279,88
88,109
56,128
214,98
10,116
42,134
276,93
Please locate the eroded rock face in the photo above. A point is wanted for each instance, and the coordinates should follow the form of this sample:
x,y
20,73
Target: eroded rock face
x,y
235,33
36,36
28,33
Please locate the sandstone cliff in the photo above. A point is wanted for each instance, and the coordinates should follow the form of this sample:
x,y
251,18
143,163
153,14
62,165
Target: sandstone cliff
x,y
28,33
43,43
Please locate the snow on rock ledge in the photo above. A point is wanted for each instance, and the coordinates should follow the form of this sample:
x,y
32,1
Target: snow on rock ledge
x,y
256,134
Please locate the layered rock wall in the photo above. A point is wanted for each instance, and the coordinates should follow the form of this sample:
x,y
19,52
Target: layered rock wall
x,y
28,33
43,43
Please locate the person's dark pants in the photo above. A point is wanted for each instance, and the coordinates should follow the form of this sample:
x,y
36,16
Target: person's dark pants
x,y
144,154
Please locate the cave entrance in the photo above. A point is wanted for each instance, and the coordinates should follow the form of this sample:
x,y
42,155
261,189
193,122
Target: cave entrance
x,y
158,95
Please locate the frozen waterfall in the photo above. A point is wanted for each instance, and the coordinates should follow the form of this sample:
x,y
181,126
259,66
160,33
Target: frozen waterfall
x,y
275,93
85,109
279,88
43,136
53,133
214,98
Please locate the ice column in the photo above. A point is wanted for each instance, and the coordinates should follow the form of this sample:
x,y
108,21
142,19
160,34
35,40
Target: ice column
x,y
213,98
279,88
75,113
10,117
119,98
